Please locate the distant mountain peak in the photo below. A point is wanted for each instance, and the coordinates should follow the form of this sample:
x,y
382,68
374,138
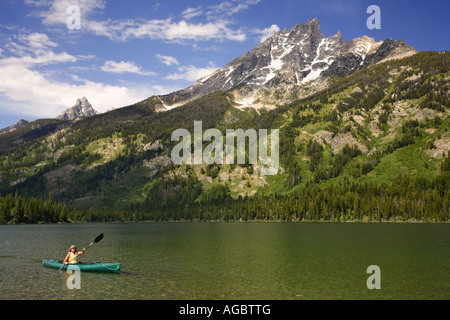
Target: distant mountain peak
x,y
295,62
82,108
14,127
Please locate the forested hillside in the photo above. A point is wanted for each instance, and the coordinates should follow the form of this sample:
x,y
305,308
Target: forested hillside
x,y
371,146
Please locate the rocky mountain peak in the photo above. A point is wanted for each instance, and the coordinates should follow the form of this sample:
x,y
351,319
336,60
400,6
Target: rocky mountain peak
x,y
291,61
82,108
14,127
313,21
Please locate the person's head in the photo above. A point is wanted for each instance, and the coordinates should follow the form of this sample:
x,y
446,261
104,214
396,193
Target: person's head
x,y
73,249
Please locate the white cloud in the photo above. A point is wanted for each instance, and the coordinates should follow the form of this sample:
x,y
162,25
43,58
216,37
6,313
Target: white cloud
x,y
42,59
126,29
169,30
167,60
38,3
57,12
190,13
34,49
267,32
37,41
124,67
30,43
227,8
191,73
27,90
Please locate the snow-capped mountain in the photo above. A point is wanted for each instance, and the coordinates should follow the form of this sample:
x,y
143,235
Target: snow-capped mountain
x,y
82,108
289,64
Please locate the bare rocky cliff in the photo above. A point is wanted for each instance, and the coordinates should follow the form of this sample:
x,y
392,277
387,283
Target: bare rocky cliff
x,y
82,108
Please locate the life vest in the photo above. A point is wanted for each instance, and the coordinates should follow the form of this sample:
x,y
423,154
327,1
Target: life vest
x,y
73,258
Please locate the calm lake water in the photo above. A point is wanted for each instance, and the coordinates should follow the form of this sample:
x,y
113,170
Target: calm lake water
x,y
243,261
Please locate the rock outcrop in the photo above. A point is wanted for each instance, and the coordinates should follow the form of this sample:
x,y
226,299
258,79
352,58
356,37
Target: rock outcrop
x,y
82,108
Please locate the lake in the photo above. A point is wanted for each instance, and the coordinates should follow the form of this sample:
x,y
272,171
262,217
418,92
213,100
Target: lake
x,y
230,261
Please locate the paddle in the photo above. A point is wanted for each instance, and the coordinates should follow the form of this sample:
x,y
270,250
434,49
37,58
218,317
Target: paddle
x,y
100,237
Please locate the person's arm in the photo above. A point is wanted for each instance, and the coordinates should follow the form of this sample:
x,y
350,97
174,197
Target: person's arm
x,y
81,252
66,259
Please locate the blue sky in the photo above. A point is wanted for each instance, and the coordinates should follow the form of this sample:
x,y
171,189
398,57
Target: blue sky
x,y
126,51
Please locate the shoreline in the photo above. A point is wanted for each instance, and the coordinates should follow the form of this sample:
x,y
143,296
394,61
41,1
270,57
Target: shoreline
x,y
240,221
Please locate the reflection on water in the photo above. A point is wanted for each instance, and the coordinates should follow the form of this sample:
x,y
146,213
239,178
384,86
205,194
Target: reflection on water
x,y
230,261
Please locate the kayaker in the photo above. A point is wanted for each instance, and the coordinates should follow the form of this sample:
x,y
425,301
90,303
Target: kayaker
x,y
72,255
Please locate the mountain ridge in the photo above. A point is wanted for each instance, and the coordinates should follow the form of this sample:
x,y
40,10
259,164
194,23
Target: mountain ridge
x,y
19,124
298,60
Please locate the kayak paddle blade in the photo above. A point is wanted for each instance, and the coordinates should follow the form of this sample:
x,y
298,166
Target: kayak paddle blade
x,y
100,237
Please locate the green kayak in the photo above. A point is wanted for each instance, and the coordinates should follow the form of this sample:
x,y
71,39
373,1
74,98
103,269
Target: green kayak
x,y
91,267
